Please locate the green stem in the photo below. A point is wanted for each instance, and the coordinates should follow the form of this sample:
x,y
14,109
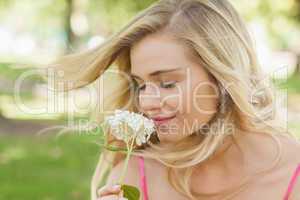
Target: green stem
x,y
121,179
104,133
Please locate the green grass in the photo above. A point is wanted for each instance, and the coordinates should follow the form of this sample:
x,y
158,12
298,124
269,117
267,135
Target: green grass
x,y
46,168
13,71
292,84
294,128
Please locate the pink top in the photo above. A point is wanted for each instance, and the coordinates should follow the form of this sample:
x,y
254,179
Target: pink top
x,y
143,181
292,183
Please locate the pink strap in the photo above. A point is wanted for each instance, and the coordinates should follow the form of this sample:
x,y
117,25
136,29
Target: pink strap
x,y
292,183
143,181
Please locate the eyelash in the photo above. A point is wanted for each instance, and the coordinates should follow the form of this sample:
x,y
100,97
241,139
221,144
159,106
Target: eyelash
x,y
169,85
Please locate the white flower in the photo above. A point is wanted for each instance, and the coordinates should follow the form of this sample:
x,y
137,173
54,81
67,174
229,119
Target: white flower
x,y
127,125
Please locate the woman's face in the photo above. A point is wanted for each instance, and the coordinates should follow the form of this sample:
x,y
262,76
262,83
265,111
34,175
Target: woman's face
x,y
173,89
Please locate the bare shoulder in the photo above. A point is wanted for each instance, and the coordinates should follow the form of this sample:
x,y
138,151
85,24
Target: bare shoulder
x,y
291,160
132,173
290,151
283,173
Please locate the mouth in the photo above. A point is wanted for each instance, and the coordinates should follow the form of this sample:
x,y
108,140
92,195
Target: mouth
x,y
162,120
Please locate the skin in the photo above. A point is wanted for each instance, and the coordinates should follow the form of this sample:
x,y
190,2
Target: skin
x,y
219,172
179,92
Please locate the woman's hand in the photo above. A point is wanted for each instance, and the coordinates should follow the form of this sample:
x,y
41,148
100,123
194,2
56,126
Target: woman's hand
x,y
110,192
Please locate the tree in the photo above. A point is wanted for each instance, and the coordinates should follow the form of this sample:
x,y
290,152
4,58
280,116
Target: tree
x,y
70,36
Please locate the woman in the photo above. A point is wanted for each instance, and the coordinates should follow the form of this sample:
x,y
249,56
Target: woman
x,y
190,65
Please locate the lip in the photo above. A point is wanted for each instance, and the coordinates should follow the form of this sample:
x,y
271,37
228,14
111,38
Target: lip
x,y
161,120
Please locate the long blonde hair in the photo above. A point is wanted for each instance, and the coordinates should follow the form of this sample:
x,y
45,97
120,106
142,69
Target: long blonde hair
x,y
218,38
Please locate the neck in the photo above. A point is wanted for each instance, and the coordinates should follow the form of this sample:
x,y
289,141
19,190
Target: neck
x,y
226,157
241,153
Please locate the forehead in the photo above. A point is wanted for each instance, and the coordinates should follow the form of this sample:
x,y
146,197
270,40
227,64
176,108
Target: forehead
x,y
156,52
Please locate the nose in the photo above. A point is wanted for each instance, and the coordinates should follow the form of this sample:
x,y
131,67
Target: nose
x,y
149,98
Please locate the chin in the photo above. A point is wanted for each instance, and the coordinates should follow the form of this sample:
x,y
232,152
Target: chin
x,y
168,138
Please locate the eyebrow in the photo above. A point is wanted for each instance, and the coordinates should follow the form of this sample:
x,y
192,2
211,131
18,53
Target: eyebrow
x,y
158,72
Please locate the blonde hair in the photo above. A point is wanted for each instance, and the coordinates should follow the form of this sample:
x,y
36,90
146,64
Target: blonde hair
x,y
217,37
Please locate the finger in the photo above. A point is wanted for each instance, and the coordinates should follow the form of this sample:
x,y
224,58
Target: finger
x,y
106,190
109,197
109,192
108,187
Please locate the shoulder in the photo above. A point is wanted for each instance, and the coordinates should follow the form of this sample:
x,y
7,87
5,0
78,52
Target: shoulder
x,y
132,173
289,157
290,151
265,149
294,184
289,165
292,147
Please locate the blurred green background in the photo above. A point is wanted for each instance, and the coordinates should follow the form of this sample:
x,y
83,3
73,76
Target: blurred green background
x,y
36,166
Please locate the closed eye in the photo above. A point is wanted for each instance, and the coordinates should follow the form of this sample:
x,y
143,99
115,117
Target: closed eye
x,y
169,84
165,85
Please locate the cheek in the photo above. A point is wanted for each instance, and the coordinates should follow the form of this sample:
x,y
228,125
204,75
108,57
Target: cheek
x,y
172,99
205,99
199,107
191,97
205,106
194,106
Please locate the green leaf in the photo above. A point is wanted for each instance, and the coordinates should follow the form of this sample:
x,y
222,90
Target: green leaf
x,y
130,192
